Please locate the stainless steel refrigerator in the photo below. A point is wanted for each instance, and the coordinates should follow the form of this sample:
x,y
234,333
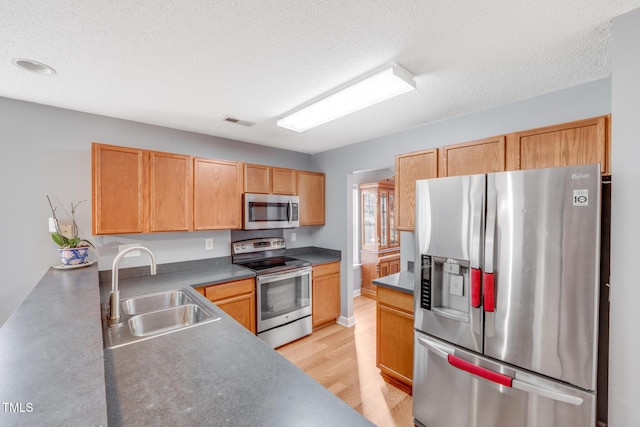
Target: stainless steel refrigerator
x,y
506,299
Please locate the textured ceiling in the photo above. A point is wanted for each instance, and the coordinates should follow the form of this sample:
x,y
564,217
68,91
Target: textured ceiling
x,y
188,65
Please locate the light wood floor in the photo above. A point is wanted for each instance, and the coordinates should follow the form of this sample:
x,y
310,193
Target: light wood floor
x,y
344,361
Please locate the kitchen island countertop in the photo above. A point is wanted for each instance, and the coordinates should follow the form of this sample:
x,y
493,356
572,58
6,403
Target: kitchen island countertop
x,y
216,374
402,281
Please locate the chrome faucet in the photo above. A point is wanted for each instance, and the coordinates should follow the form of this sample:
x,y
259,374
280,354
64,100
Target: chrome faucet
x,y
114,299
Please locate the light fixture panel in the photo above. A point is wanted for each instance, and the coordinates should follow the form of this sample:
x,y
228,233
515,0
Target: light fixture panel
x,y
376,88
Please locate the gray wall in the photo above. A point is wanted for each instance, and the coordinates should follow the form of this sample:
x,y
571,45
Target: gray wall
x,y
624,370
47,151
584,101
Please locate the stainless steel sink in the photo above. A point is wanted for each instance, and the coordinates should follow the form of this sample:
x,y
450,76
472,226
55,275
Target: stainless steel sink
x,y
167,320
152,315
154,302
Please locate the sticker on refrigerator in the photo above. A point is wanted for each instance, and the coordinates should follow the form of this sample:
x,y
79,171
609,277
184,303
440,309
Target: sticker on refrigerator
x,y
581,197
456,285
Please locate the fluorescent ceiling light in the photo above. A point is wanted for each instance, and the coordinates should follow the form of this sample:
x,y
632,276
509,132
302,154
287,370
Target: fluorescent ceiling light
x,y
381,86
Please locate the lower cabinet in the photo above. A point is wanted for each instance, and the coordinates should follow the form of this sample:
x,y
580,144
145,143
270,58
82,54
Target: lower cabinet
x,y
237,299
325,294
394,337
374,265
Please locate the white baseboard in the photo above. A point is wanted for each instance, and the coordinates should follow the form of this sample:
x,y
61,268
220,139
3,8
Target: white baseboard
x,y
346,321
357,292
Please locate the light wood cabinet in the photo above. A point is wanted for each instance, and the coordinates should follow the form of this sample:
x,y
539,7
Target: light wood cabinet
x,y
120,201
394,337
380,240
579,142
484,156
325,294
374,265
257,179
237,299
311,192
377,216
262,179
170,192
411,167
217,195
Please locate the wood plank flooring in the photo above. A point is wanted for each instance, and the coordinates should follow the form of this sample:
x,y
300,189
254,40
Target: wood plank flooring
x,y
344,361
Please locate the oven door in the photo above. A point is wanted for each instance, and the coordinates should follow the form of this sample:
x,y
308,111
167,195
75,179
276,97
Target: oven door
x,y
283,297
266,211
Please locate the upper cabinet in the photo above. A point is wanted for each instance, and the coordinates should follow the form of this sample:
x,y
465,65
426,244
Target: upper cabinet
x,y
311,191
484,156
579,142
217,194
410,168
120,189
170,192
269,180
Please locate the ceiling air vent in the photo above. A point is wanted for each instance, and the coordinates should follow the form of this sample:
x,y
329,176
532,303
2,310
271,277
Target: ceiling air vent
x,y
238,121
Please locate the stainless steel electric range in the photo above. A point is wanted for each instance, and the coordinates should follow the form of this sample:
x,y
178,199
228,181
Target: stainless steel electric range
x,y
283,288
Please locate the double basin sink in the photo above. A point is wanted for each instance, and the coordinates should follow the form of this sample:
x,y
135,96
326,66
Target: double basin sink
x,y
152,315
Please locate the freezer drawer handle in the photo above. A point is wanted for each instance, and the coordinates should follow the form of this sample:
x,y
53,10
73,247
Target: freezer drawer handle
x,y
488,292
476,284
479,371
446,352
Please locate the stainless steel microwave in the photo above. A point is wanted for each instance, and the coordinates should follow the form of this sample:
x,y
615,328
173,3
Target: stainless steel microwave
x,y
265,211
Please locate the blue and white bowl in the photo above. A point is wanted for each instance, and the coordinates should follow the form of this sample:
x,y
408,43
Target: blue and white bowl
x,y
74,256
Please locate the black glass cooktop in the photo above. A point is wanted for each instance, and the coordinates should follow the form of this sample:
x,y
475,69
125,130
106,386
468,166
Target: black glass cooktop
x,y
274,264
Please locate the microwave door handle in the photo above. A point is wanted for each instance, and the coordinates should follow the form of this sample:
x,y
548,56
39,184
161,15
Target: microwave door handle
x,y
289,211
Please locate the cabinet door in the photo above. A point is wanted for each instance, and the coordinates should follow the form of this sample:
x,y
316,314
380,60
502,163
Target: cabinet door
x,y
242,309
217,194
485,156
326,295
383,219
409,168
170,192
394,235
283,181
394,337
237,299
119,196
394,266
311,194
580,142
369,219
257,179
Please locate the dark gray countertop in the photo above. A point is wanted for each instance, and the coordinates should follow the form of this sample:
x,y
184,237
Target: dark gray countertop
x,y
402,282
215,374
51,354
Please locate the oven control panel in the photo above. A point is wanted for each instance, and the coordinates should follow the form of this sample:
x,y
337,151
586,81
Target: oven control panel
x,y
258,245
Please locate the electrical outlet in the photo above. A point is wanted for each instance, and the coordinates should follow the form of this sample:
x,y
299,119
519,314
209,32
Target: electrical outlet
x,y
293,237
208,244
129,254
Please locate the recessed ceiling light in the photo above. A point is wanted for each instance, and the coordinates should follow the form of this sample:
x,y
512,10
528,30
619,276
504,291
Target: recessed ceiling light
x,y
34,66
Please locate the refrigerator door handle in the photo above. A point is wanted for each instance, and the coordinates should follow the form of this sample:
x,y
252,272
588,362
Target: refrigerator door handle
x,y
488,288
476,287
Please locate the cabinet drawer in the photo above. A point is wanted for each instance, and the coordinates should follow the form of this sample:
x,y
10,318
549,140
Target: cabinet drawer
x,y
395,299
325,269
226,290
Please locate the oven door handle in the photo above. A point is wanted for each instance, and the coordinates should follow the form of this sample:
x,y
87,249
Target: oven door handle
x,y
271,277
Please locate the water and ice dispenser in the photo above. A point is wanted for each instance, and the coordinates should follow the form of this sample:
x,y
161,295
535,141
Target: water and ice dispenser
x,y
445,284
